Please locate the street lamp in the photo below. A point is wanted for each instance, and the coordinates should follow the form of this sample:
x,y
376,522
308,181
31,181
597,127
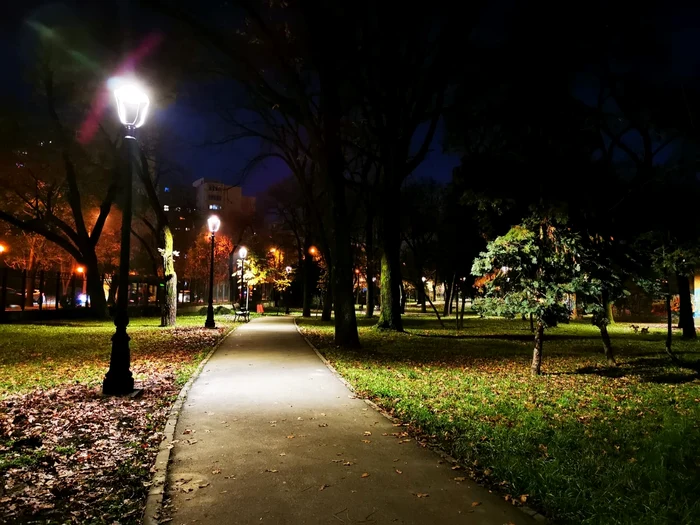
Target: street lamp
x,y
132,109
2,248
214,224
243,253
288,269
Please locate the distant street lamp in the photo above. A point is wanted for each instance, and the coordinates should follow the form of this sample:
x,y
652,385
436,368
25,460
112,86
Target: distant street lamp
x,y
2,248
288,269
132,108
214,224
243,253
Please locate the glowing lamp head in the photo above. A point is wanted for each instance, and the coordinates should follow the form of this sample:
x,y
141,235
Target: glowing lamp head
x,y
288,269
80,269
132,105
214,224
313,250
273,250
423,279
243,252
2,248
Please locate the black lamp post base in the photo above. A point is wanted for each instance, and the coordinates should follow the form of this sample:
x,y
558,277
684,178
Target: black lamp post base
x,y
209,323
118,384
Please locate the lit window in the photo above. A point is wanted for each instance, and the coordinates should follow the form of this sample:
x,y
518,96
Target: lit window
x,y
214,207
166,207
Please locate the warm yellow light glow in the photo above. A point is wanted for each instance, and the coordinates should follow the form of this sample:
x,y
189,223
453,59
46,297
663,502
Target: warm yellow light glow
x,y
132,104
214,223
80,269
2,248
313,250
273,250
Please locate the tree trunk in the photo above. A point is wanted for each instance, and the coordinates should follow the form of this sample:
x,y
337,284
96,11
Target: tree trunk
x,y
327,303
448,298
461,316
422,296
536,367
609,312
607,345
402,292
390,314
369,253
532,324
168,309
685,318
308,285
98,302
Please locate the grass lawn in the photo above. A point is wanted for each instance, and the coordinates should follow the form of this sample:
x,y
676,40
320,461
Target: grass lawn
x,y
583,443
67,454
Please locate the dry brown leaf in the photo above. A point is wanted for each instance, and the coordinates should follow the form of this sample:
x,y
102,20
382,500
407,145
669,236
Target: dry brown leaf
x,y
273,470
290,436
216,471
368,433
366,441
323,425
399,471
523,498
457,467
476,503
365,475
487,472
324,486
347,463
422,494
460,478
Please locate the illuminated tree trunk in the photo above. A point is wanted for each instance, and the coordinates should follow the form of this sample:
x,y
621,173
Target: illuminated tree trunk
x,y
390,314
685,318
98,302
536,367
609,312
168,309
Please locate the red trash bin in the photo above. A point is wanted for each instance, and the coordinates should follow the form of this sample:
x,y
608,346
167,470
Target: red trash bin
x,y
260,309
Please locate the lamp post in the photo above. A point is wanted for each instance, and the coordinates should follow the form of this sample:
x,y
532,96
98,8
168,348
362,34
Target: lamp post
x,y
214,224
288,269
132,108
243,253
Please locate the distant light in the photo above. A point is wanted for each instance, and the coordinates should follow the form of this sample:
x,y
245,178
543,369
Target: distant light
x,y
80,269
273,250
132,104
167,189
313,250
2,248
166,207
214,223
288,269
504,269
374,279
82,298
423,279
242,252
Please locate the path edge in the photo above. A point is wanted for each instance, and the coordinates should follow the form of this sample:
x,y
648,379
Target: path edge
x,y
156,492
540,518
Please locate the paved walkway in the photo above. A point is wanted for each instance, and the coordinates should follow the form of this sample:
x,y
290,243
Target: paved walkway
x,y
269,435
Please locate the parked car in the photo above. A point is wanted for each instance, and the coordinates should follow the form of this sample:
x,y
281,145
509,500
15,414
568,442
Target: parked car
x,y
14,298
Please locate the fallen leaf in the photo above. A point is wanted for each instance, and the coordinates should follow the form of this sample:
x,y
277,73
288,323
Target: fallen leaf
x,y
187,431
487,472
324,486
323,424
422,494
365,475
347,463
204,485
216,471
457,467
273,470
368,433
283,453
476,503
399,471
460,478
290,436
523,498
366,441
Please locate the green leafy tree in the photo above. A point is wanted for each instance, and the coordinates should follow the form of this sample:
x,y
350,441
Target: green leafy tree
x,y
529,271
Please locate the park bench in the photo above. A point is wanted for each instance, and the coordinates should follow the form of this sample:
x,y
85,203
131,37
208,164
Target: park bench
x,y
243,315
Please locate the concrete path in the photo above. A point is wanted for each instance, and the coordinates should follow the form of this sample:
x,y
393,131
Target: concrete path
x,y
269,435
